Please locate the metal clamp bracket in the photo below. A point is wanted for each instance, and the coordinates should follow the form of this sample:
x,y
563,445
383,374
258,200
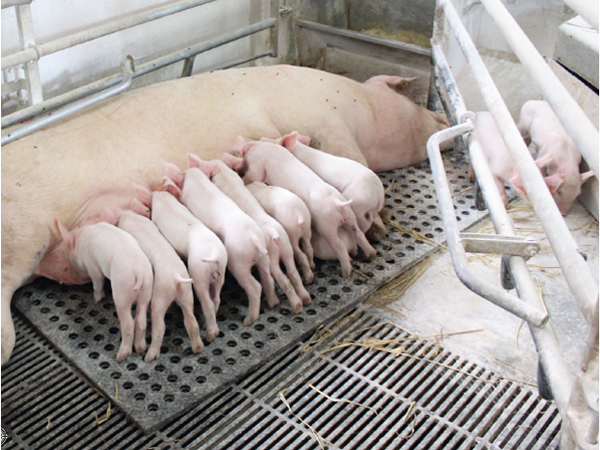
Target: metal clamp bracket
x,y
500,245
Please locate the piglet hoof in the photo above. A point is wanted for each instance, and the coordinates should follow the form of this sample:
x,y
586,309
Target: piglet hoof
x,y
309,278
151,355
249,320
197,345
273,302
306,300
123,354
141,347
211,335
296,307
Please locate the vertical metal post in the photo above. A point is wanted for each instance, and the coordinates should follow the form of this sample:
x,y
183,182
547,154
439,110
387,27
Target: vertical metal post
x,y
26,35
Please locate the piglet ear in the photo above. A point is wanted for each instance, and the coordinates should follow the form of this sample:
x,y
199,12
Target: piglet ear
x,y
544,160
143,195
240,146
516,182
210,168
168,185
139,208
303,139
233,162
194,160
65,234
289,141
586,175
269,140
554,181
176,175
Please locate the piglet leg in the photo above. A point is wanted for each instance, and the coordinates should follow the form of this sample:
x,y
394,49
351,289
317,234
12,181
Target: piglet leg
x,y
208,309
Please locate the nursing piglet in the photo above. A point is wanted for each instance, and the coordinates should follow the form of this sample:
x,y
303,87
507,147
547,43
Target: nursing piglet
x,y
276,239
329,210
354,181
293,215
204,252
171,281
103,250
241,235
538,123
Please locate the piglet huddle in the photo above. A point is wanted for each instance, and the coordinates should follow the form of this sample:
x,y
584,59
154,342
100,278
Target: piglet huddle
x,y
277,202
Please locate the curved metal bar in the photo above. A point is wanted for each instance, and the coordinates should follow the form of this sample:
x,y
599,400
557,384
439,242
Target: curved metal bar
x,y
514,305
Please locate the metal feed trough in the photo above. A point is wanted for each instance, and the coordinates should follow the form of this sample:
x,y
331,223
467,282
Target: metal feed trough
x,y
257,387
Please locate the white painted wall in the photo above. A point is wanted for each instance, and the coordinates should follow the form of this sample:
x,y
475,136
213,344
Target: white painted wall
x,y
84,63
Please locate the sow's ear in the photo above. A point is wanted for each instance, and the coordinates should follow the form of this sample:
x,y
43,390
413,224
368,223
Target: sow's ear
x,y
400,85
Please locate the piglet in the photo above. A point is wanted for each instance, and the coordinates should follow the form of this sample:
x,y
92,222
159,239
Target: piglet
x,y
103,250
329,210
354,181
276,239
171,281
243,239
538,123
293,215
194,242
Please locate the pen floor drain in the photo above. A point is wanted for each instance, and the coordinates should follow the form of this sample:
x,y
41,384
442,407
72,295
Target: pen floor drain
x,y
154,393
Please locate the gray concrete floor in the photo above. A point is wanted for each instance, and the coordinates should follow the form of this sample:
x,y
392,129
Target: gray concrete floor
x,y
437,302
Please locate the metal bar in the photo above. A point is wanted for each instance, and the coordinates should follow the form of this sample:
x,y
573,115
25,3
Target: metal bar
x,y
35,53
576,272
10,3
577,124
126,68
499,244
32,72
534,316
142,69
586,9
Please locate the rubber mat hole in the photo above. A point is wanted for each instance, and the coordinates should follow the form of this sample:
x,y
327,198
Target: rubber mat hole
x,y
298,319
115,375
217,352
140,396
245,353
51,295
83,345
59,303
45,310
285,312
109,347
172,378
203,360
175,359
259,344
185,388
69,312
259,327
231,344
94,313
156,387
271,319
131,367
234,311
169,398
160,368
144,377
103,321
359,282
322,289
200,380
216,370
104,365
285,327
99,338
272,336
54,319
188,369
128,385
94,355
83,304
230,362
233,326
88,329
152,407
113,330
346,289
336,297
311,312
323,304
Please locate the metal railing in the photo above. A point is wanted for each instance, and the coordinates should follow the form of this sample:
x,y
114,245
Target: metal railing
x,y
576,397
187,54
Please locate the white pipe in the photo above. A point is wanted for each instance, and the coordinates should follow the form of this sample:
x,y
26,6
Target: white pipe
x,y
588,9
577,124
578,275
36,52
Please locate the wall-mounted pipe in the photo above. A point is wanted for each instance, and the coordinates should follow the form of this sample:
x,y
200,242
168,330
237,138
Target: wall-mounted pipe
x,y
141,69
580,128
35,53
127,70
10,3
576,272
